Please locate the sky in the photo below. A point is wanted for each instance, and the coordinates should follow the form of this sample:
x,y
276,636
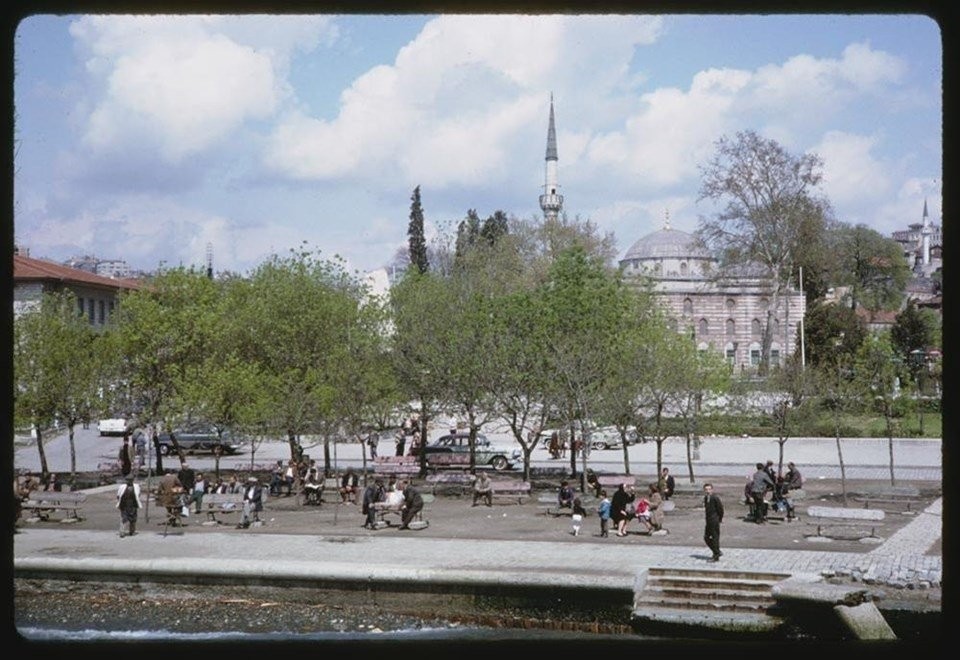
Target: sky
x,y
150,138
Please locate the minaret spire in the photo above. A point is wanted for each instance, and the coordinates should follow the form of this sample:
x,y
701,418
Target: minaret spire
x,y
925,236
551,202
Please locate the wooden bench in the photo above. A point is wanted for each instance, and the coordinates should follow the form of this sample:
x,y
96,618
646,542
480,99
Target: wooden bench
x,y
610,482
905,505
463,479
214,503
510,489
397,466
449,460
827,516
43,503
385,513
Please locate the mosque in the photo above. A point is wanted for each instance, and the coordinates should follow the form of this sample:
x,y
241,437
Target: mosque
x,y
726,316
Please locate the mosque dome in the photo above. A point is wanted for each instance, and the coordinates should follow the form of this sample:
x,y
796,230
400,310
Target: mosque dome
x,y
666,243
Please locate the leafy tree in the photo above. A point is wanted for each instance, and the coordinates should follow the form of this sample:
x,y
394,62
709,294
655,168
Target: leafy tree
x,y
787,390
824,324
872,265
421,326
164,332
833,380
584,303
55,368
494,227
292,318
417,239
913,330
877,373
769,210
699,374
468,233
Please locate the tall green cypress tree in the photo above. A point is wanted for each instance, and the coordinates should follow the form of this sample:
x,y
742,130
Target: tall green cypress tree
x,y
418,242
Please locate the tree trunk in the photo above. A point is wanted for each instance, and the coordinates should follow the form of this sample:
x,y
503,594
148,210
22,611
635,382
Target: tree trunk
x,y
843,469
73,455
626,451
44,470
890,442
690,439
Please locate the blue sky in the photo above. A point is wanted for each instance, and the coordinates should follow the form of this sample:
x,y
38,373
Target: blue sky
x,y
148,138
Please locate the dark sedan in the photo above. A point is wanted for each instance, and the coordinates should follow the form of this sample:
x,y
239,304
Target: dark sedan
x,y
198,438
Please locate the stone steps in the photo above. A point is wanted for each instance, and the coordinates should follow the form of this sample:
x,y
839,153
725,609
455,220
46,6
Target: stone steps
x,y
706,603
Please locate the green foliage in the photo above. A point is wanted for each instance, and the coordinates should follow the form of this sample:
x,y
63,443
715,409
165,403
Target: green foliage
x,y
416,237
833,333
871,264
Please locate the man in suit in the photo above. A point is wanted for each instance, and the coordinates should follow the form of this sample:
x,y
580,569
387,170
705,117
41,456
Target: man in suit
x,y
713,509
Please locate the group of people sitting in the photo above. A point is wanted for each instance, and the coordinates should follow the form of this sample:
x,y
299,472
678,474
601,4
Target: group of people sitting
x,y
767,480
623,507
400,497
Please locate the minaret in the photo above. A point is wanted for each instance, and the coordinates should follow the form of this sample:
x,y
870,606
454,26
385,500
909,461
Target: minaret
x,y
551,202
925,235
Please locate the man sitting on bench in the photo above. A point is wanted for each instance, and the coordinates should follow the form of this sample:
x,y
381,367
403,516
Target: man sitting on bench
x,y
348,487
312,487
566,495
482,489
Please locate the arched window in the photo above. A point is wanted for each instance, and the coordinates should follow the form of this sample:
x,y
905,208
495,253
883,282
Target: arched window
x,y
704,328
683,268
776,327
775,354
731,303
754,354
756,328
730,353
658,268
687,306
731,327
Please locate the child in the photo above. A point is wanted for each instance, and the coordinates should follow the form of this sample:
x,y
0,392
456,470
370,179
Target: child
x,y
604,511
578,513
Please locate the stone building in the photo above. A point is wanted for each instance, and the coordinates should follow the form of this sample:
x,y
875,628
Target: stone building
x,y
96,295
724,315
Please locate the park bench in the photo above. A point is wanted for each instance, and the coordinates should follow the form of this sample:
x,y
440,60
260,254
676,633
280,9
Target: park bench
x,y
904,499
449,460
217,503
43,503
610,482
827,516
386,512
397,466
510,489
462,479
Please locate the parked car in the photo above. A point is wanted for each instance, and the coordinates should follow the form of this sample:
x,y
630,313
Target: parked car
x,y
499,457
608,437
199,437
113,426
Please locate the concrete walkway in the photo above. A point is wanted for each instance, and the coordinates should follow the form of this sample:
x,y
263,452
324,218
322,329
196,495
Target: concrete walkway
x,y
900,560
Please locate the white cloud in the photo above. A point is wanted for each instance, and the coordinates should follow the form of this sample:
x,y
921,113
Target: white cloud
x,y
456,99
852,175
179,84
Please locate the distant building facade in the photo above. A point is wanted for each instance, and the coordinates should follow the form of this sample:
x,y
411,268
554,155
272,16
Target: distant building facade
x,y
97,296
726,315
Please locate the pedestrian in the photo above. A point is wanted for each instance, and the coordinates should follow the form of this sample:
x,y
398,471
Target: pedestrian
x,y
482,489
577,516
401,441
619,508
554,445
140,446
187,477
252,503
128,502
372,495
759,485
199,490
373,440
666,484
125,456
412,504
603,510
713,511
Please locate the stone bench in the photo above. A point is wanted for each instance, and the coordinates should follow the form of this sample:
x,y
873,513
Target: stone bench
x,y
385,512
43,503
510,489
220,503
826,516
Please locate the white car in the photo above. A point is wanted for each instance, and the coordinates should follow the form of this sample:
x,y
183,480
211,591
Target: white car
x,y
114,426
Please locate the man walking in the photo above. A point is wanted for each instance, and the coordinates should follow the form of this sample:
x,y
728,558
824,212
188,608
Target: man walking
x,y
125,456
128,501
713,509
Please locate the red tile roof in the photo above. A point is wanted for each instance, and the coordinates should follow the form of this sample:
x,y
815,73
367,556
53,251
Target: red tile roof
x,y
28,268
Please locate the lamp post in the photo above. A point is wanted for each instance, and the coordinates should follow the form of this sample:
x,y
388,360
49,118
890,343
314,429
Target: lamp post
x,y
918,365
